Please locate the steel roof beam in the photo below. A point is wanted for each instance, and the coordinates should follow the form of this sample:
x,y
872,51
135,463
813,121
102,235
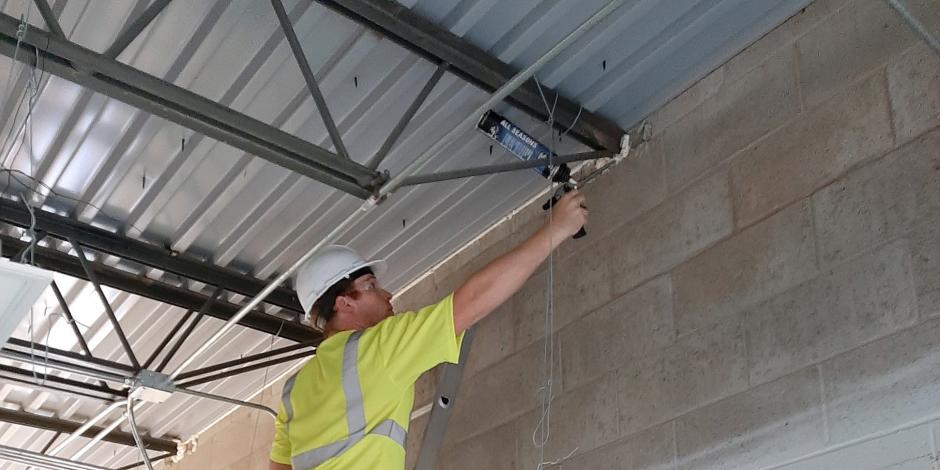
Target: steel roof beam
x,y
146,253
23,418
503,167
161,292
161,98
476,66
53,382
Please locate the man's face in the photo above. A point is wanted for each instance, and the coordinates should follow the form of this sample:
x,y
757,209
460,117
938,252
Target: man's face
x,y
371,303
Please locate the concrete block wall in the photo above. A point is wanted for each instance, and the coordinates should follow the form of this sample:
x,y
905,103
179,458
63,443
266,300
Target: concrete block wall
x,y
760,287
761,283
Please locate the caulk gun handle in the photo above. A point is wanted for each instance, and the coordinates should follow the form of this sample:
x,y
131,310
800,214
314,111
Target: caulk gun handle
x,y
551,203
570,185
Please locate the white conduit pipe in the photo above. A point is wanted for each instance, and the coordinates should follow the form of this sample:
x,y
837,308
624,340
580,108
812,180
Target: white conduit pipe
x,y
42,460
395,183
88,424
140,443
104,432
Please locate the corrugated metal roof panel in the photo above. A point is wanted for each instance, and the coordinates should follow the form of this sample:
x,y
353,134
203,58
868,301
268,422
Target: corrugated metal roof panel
x,y
115,166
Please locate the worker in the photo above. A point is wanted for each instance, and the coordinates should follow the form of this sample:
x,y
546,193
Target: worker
x,y
349,406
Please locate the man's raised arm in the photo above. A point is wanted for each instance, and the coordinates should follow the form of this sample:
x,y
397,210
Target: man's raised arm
x,y
493,284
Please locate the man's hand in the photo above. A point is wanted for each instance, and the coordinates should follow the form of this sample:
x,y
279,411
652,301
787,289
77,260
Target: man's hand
x,y
569,215
492,285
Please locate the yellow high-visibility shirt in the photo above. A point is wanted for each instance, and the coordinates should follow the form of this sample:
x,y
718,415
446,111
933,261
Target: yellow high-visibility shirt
x,y
314,416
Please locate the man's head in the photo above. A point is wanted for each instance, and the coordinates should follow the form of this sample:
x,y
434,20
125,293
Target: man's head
x,y
339,291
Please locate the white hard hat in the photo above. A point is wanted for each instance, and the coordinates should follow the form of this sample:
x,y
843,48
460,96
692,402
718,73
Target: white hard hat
x,y
330,265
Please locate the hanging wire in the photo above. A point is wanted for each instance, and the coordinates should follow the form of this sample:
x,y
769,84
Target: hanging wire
x,y
264,384
542,431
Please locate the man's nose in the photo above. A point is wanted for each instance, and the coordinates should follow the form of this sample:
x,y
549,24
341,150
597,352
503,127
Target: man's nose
x,y
387,294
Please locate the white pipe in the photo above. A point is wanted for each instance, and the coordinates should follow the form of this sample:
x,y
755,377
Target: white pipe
x,y
88,424
140,443
392,185
98,437
42,460
503,91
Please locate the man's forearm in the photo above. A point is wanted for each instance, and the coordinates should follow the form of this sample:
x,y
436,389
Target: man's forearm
x,y
496,282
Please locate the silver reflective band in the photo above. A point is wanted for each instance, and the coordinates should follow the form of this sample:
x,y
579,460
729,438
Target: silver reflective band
x,y
314,457
355,414
285,398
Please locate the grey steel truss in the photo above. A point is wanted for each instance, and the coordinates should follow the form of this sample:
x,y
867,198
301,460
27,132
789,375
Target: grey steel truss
x,y
473,64
101,72
161,98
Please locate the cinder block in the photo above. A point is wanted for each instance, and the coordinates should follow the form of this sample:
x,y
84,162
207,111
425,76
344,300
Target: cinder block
x,y
867,298
582,283
764,425
914,85
669,234
687,101
857,39
782,36
501,392
700,368
730,120
884,384
528,307
753,265
616,334
635,186
880,201
426,386
414,440
926,462
812,151
905,450
417,296
584,418
493,340
925,251
652,449
493,450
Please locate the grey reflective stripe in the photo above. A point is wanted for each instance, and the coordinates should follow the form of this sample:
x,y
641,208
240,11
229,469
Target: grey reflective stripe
x,y
312,458
285,398
392,430
355,415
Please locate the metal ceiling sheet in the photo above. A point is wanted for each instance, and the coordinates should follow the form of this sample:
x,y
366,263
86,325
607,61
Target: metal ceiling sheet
x,y
112,165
